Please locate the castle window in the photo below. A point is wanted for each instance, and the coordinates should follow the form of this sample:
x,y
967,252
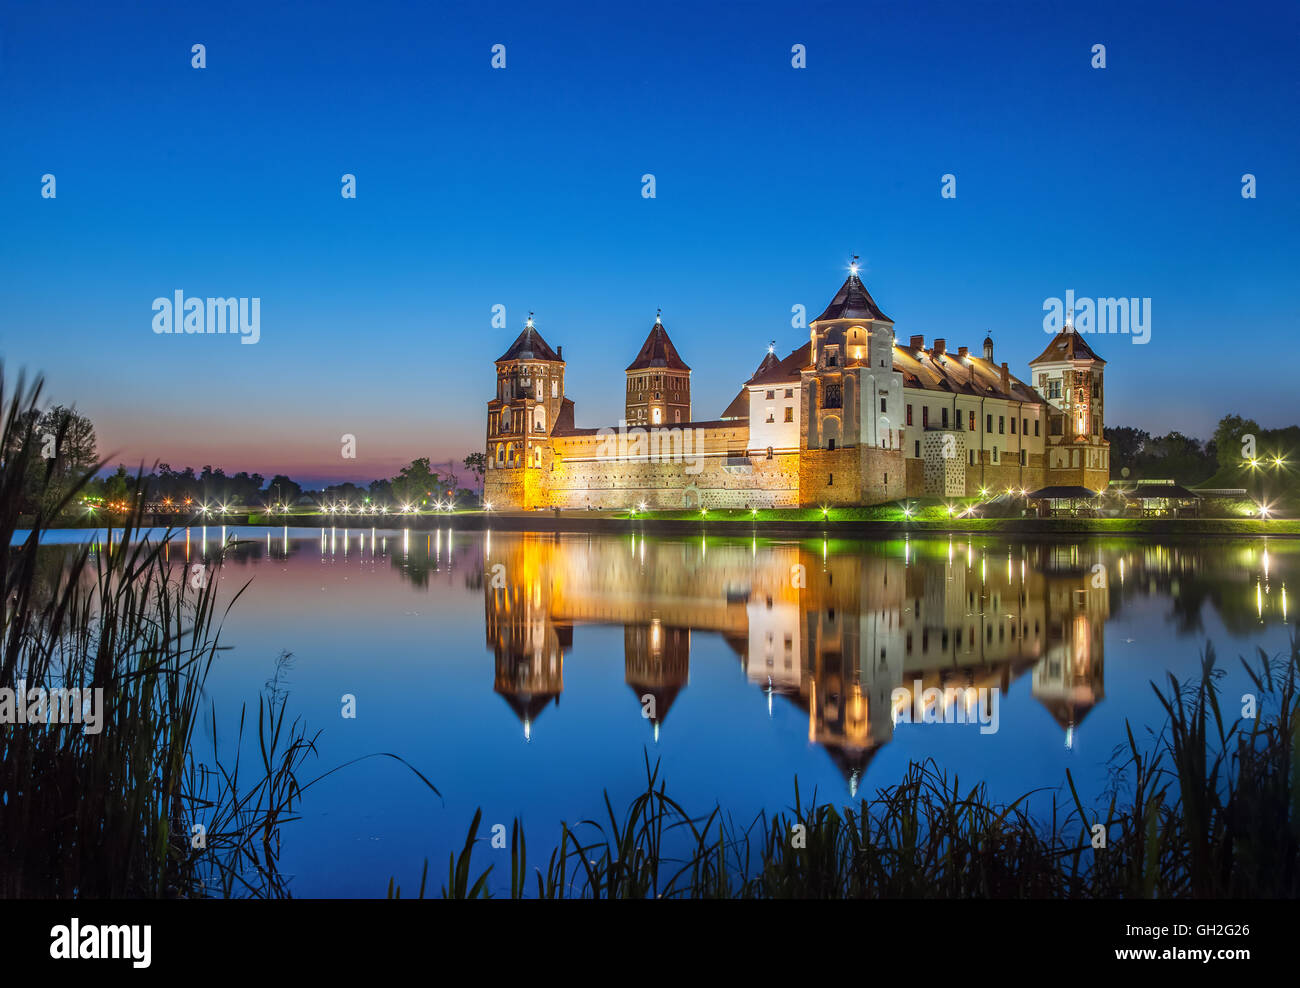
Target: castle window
x,y
830,444
789,392
830,479
1035,426
972,457
925,416
972,421
1013,427
555,387
833,396
1022,457
988,425
1058,424
916,449
769,452
945,417
770,395
883,409
771,415
909,414
1002,424
1024,427
995,454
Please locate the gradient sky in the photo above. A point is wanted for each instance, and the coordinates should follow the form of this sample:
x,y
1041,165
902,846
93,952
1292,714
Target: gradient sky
x,y
523,187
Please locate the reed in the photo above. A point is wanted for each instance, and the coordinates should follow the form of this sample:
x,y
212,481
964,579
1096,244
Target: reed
x,y
1210,808
114,812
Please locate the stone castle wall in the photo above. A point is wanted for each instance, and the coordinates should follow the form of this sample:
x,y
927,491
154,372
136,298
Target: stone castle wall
x,y
712,470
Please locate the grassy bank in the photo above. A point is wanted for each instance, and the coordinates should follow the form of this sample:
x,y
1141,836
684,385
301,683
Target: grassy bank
x,y
1209,810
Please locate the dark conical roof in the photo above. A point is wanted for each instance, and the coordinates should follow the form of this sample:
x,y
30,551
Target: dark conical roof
x,y
1066,345
658,351
853,301
769,361
528,706
529,345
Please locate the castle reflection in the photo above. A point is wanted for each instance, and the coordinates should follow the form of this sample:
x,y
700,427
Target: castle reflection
x,y
835,633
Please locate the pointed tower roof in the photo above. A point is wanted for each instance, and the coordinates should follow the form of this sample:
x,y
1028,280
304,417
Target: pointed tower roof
x,y
853,301
739,407
529,345
1066,345
769,361
658,351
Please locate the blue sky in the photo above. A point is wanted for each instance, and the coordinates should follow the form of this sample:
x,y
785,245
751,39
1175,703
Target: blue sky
x,y
522,187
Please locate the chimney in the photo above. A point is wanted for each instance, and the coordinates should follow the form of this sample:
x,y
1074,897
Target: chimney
x,y
988,349
940,347
918,342
962,351
1006,379
559,352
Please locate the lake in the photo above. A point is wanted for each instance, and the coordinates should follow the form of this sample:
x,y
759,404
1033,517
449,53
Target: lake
x,y
527,674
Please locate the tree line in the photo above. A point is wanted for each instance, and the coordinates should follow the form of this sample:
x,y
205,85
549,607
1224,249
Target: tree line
x,y
1224,459
67,451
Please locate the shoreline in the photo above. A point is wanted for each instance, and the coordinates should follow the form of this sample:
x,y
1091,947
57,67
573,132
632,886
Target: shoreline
x,y
619,523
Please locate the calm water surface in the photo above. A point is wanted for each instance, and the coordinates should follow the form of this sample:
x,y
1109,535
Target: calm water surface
x,y
524,674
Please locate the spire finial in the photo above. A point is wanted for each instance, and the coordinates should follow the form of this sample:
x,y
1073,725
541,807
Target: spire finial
x,y
771,347
853,265
530,318
659,317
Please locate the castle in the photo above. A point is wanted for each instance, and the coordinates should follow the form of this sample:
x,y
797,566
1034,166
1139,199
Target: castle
x,y
851,417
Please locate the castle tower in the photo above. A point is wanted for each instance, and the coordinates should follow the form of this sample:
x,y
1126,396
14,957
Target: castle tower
x,y
1068,374
530,394
658,382
851,399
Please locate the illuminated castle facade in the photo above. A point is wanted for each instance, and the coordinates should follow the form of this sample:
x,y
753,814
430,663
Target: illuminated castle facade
x,y
850,417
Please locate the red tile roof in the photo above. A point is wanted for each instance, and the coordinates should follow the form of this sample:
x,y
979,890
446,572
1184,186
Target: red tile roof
x,y
924,371
853,301
783,371
528,345
1066,345
658,351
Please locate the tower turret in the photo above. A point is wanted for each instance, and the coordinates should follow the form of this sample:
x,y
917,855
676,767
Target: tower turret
x,y
530,394
658,381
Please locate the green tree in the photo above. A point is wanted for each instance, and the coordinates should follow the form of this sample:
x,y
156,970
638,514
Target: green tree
x,y
117,486
1228,439
415,483
282,490
477,464
1125,447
